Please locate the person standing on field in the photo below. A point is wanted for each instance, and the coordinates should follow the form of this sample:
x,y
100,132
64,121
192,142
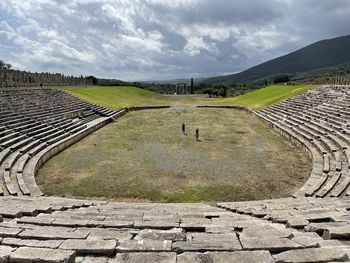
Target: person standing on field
x,y
183,128
197,134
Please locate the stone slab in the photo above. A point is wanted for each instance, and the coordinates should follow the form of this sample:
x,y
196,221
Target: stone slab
x,y
272,244
297,222
144,245
17,242
9,231
10,212
106,233
260,229
35,220
341,232
175,234
311,255
208,242
5,252
90,247
307,242
226,257
195,223
70,222
163,224
42,255
146,257
53,233
110,224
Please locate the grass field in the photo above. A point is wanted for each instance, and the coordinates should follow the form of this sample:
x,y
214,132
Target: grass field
x,y
144,156
116,97
121,97
266,96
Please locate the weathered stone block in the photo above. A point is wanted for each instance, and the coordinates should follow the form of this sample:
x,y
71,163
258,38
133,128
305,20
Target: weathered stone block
x,y
53,233
208,242
42,255
311,255
107,233
90,247
9,231
272,244
31,243
226,257
5,252
146,257
341,232
144,245
175,234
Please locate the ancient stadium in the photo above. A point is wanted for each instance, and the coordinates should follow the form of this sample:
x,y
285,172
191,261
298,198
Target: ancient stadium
x,y
154,132
311,225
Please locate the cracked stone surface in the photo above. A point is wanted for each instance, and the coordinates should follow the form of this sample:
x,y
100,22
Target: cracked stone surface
x,y
226,232
144,257
90,246
311,255
44,255
226,257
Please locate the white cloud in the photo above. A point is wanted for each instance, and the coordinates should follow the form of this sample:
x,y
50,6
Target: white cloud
x,y
153,39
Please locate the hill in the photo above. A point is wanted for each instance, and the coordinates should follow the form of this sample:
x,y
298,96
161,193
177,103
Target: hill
x,y
322,54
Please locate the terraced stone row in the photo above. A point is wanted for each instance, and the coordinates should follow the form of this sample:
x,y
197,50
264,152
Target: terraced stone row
x,y
319,121
35,124
52,229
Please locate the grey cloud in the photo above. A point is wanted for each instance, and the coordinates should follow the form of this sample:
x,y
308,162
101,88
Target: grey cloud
x,y
158,39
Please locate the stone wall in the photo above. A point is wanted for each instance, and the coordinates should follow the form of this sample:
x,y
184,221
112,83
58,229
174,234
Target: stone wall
x,y
17,78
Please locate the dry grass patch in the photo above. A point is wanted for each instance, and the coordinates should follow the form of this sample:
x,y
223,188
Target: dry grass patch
x,y
144,156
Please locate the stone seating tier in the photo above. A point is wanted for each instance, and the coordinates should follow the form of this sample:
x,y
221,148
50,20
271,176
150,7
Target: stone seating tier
x,y
319,120
35,125
52,229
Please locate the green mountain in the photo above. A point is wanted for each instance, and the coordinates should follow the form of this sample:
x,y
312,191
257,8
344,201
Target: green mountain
x,y
322,54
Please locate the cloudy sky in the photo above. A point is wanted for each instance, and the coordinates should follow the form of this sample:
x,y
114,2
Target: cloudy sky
x,y
161,39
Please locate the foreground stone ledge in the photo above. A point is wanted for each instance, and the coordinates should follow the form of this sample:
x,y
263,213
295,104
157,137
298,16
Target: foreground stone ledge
x,y
144,245
158,224
312,255
341,232
35,221
53,233
146,257
42,255
90,247
106,234
272,244
226,257
175,234
17,242
213,235
110,224
208,242
5,252
9,232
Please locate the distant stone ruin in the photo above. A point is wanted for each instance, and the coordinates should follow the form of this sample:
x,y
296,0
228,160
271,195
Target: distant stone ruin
x,y
17,78
181,88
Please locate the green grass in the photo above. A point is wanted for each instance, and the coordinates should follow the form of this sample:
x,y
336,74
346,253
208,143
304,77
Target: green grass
x,y
266,96
144,156
122,97
116,97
